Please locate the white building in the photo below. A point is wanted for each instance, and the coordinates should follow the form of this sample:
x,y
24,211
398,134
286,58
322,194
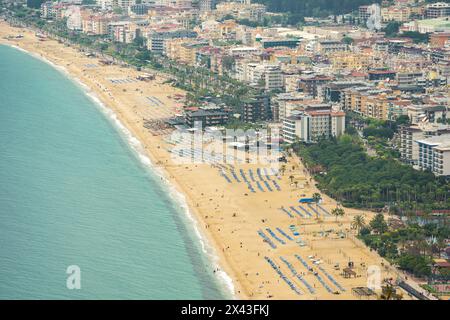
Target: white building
x,y
73,15
273,78
124,4
104,4
330,46
309,126
47,11
434,155
438,10
260,74
207,5
409,135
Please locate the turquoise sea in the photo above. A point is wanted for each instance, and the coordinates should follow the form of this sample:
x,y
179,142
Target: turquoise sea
x,y
73,191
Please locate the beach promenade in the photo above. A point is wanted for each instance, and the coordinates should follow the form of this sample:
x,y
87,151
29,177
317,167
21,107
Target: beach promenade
x,y
270,245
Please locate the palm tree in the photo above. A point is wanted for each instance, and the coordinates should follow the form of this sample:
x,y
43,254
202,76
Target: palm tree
x,y
291,178
358,223
338,212
317,197
283,169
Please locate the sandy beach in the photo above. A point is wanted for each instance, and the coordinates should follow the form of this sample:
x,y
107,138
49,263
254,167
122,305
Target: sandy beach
x,y
227,212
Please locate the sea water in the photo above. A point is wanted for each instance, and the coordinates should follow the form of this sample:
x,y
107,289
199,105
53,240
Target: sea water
x,y
74,191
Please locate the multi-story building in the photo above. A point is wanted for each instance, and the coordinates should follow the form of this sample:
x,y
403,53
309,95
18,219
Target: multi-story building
x,y
408,77
47,11
330,46
267,76
280,42
410,134
257,109
368,101
140,9
311,125
427,25
375,75
123,4
363,13
439,39
395,13
207,5
183,50
349,61
284,104
95,24
157,38
434,154
332,91
381,46
438,10
119,31
273,78
426,113
309,84
207,117
73,15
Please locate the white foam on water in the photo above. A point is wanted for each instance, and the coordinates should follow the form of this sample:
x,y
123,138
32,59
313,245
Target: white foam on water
x,y
177,196
137,148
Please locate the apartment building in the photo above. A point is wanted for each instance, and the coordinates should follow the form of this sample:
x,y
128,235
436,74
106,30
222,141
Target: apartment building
x,y
273,78
430,113
119,31
333,91
47,11
257,109
410,134
157,38
439,39
309,84
96,24
330,46
376,75
437,10
284,104
268,76
408,77
123,4
349,61
184,50
207,5
280,42
434,154
368,101
363,13
395,13
207,117
311,125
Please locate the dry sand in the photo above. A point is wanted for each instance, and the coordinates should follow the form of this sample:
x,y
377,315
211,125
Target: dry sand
x,y
229,215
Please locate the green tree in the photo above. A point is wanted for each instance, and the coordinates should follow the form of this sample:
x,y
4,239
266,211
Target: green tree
x,y
392,28
378,224
358,223
317,198
347,40
338,212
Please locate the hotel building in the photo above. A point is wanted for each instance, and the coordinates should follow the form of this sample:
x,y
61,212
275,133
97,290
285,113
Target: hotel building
x,y
409,135
319,121
434,155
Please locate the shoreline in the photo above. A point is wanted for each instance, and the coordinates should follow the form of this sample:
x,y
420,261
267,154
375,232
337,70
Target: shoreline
x,y
149,163
228,223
